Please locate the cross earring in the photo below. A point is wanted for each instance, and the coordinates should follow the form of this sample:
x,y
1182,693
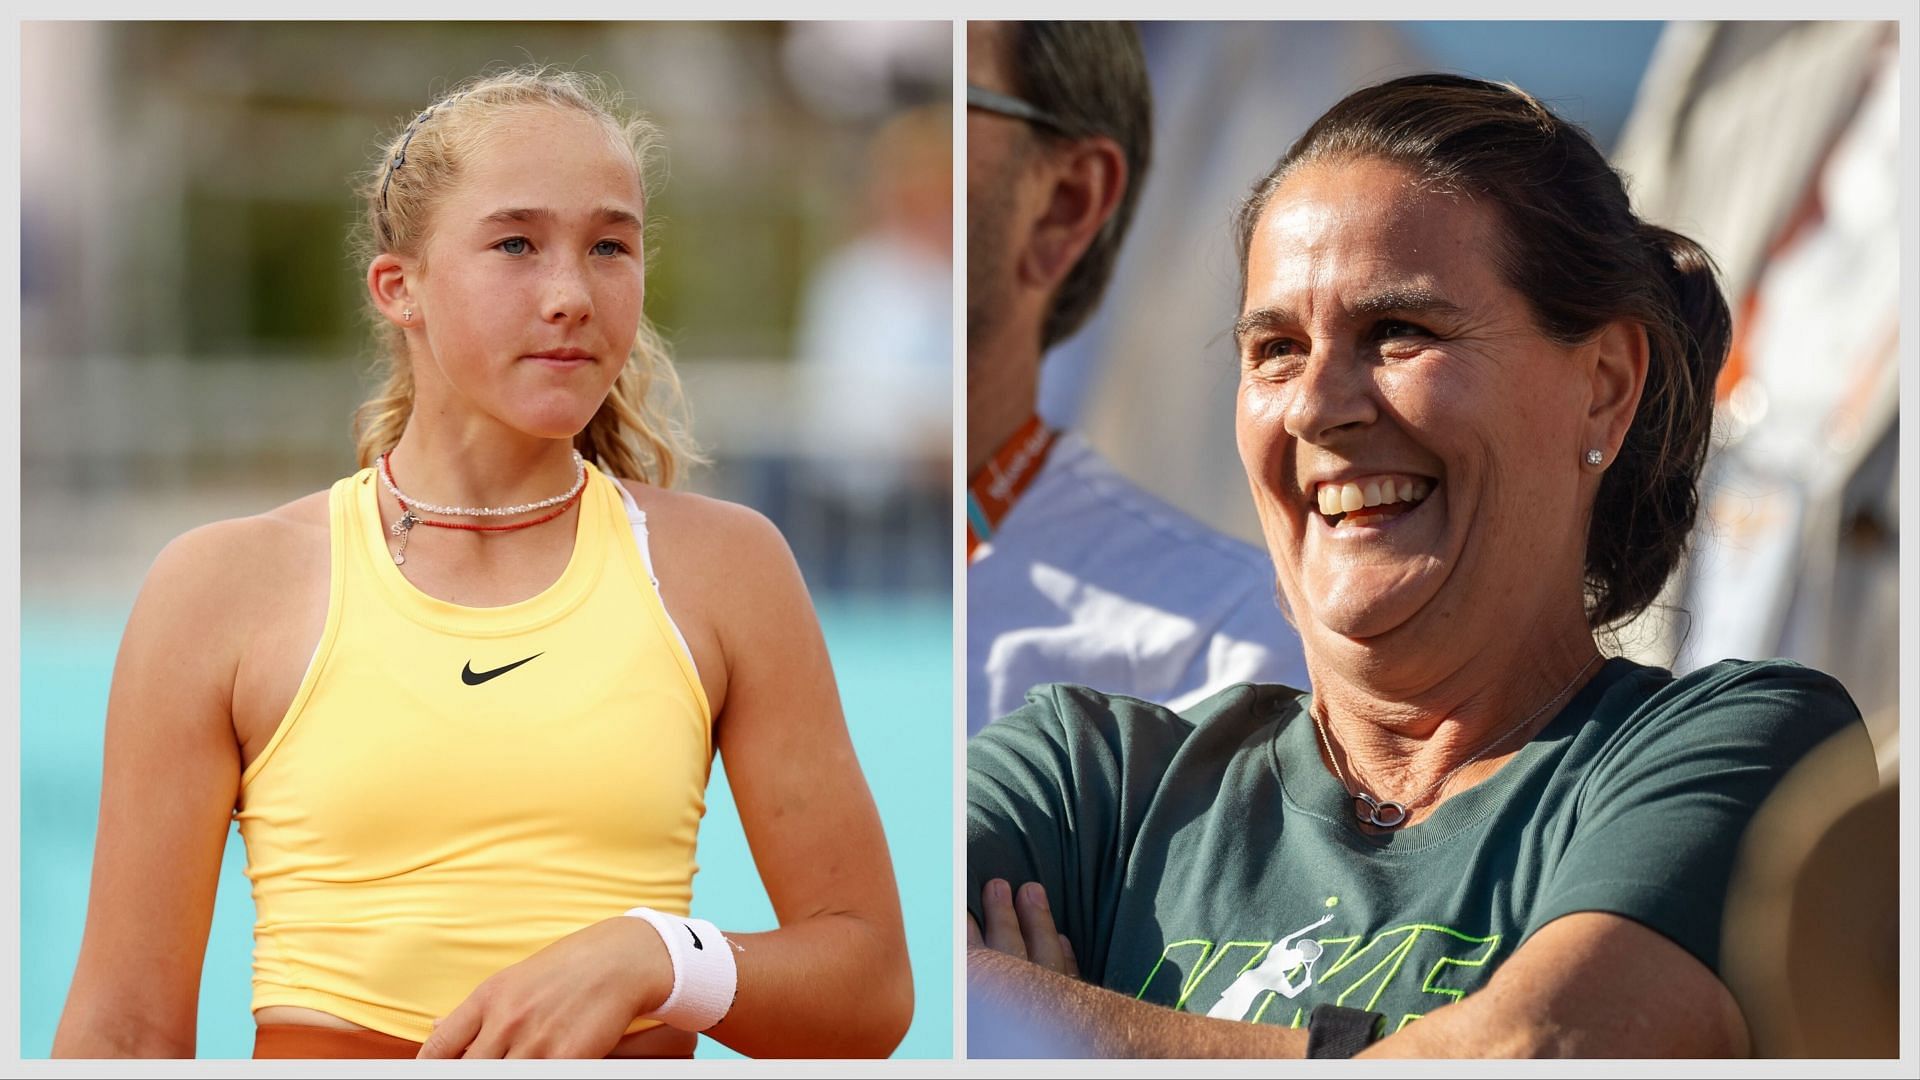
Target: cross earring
x,y
407,316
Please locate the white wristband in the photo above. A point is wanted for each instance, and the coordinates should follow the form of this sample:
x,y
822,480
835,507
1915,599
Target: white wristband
x,y
704,977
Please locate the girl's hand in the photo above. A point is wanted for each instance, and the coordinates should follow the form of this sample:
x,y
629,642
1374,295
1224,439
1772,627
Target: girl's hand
x,y
572,999
1021,924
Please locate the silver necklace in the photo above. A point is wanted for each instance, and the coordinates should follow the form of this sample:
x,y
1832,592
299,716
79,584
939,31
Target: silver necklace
x,y
386,478
1387,814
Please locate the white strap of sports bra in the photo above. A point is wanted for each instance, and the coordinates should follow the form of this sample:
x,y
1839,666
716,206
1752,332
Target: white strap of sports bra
x,y
637,521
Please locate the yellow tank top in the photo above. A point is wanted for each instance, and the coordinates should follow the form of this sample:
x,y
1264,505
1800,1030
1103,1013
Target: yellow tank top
x,y
455,788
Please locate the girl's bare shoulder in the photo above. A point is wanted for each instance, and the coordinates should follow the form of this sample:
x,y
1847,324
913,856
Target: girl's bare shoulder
x,y
706,532
245,558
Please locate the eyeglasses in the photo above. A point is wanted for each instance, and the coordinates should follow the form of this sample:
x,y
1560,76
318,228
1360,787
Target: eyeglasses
x,y
979,97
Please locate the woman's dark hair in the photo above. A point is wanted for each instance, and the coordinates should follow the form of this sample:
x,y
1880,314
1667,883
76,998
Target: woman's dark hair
x,y
1574,248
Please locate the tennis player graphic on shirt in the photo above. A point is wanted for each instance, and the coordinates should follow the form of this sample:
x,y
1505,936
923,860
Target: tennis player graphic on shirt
x,y
1273,973
1259,980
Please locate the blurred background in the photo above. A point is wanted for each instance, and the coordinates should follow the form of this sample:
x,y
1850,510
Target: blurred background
x,y
1773,144
192,347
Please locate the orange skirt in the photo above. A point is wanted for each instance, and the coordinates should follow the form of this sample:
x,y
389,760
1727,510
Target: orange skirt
x,y
306,1041
309,1042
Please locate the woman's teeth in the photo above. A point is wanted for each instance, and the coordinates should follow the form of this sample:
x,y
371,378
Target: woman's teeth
x,y
1344,498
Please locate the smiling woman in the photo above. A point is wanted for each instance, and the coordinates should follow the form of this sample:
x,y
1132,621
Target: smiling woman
x,y
1474,399
470,765
1382,347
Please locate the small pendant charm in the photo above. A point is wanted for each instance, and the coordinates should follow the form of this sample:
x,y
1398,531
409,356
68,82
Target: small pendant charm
x,y
403,529
1381,815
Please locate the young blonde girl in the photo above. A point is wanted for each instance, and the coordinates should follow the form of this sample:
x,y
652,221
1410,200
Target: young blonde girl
x,y
464,703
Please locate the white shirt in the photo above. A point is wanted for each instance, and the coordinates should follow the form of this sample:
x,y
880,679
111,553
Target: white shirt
x,y
875,353
1091,580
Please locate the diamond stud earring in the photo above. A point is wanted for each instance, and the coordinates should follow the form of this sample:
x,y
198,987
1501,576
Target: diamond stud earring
x,y
1595,457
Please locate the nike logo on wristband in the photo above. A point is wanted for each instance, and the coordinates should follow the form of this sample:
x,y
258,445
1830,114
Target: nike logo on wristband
x,y
696,938
475,678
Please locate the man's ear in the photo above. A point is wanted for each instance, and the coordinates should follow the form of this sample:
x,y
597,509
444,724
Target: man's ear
x,y
1619,375
387,283
1085,180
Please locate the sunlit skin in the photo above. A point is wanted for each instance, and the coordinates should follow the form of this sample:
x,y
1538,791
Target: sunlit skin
x,y
536,250
1378,337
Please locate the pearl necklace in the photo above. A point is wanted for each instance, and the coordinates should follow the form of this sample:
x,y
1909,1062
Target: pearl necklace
x,y
403,528
1387,814
579,481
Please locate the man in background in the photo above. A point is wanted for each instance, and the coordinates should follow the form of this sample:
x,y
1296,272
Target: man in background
x,y
873,352
1075,574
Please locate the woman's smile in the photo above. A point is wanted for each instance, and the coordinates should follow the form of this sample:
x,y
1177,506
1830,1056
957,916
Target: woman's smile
x,y
1370,500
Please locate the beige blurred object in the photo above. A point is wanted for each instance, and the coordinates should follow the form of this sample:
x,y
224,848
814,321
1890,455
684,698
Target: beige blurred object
x,y
1731,124
1729,136
1811,939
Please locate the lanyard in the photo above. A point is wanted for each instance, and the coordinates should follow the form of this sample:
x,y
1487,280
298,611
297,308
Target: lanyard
x,y
993,490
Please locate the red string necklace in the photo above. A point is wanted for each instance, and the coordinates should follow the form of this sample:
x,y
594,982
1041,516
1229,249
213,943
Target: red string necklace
x,y
403,528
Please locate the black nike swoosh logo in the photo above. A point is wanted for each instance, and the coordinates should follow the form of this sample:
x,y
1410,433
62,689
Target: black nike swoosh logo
x,y
475,678
696,938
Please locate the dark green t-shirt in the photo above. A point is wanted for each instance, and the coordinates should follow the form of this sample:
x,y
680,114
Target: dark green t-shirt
x,y
1209,862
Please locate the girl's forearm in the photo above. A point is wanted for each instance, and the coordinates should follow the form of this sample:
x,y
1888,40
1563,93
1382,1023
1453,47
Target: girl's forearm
x,y
832,985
